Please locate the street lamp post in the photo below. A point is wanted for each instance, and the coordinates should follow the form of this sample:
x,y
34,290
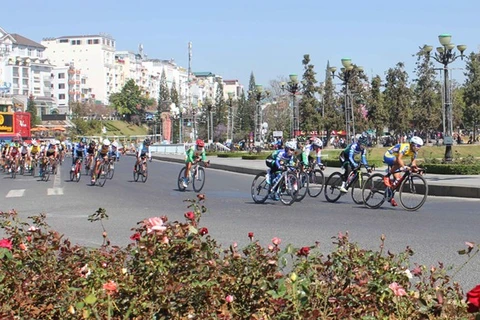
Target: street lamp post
x,y
230,117
348,72
259,95
293,87
445,55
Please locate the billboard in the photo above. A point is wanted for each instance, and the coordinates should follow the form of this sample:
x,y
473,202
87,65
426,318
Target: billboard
x,y
22,123
6,122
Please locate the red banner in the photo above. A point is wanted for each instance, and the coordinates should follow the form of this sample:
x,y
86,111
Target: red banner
x,y
22,123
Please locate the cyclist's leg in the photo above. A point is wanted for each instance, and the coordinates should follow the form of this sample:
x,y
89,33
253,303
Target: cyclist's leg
x,y
188,166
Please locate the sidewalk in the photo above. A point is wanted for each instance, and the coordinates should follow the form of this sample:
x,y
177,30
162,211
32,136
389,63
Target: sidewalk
x,y
438,184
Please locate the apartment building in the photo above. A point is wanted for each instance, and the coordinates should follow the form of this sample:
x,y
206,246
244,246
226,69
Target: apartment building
x,y
24,71
128,65
93,55
69,85
233,86
151,75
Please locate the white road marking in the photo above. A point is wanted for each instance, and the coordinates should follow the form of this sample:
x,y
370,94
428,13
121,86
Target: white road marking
x,y
54,191
15,193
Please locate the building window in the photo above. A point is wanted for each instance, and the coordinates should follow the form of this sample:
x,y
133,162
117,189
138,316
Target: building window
x,y
63,40
30,52
25,72
61,76
61,86
96,41
39,54
61,96
76,42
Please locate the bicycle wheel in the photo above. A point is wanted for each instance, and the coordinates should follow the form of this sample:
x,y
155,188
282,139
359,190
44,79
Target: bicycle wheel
x,y
357,187
102,177
33,169
413,192
14,171
302,187
111,171
46,172
334,181
180,180
287,190
260,189
78,174
144,174
199,179
72,175
315,183
136,173
22,168
374,191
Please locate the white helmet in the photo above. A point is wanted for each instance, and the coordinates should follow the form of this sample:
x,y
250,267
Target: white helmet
x,y
34,143
52,141
318,142
416,140
57,142
115,144
106,142
291,145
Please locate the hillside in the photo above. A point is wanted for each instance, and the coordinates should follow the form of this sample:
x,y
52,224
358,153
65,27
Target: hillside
x,y
121,128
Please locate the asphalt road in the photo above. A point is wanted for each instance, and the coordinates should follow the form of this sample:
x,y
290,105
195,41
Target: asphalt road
x,y
435,232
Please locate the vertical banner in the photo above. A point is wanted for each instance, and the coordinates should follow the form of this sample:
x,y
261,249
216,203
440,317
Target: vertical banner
x,y
22,123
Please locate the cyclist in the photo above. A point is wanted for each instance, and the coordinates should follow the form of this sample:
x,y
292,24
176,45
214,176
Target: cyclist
x,y
313,144
92,148
276,161
102,154
35,150
394,159
115,152
13,154
79,150
347,158
142,152
25,155
194,154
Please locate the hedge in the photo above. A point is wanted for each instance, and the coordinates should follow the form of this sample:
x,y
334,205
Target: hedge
x,y
461,169
230,155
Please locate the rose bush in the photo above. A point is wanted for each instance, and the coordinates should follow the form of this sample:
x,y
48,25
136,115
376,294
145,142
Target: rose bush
x,y
176,270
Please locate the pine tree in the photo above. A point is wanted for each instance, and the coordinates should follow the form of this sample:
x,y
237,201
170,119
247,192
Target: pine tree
x,y
471,94
249,110
32,109
427,106
398,99
309,117
242,119
332,116
164,96
174,99
377,113
220,118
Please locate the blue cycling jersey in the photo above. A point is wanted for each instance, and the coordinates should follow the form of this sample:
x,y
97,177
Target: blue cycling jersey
x,y
351,150
282,155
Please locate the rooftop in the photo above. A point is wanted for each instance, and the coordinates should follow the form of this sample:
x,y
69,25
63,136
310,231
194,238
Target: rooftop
x,y
22,41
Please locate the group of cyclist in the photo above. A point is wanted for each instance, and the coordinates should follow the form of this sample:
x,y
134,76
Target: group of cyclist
x,y
20,152
394,157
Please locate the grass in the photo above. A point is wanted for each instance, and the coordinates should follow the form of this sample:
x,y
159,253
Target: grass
x,y
121,128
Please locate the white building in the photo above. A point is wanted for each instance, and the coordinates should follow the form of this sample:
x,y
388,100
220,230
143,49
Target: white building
x,y
233,86
24,71
94,55
128,65
69,85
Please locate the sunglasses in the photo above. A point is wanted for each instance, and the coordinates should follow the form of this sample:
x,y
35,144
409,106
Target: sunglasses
x,y
417,146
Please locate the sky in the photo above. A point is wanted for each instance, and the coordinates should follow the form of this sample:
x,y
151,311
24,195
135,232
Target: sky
x,y
268,38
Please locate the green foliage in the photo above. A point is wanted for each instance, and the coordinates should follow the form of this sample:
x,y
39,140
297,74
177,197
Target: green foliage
x,y
87,127
398,99
256,156
220,110
377,113
453,168
333,118
427,105
229,155
176,270
471,93
130,101
308,106
248,112
32,109
165,94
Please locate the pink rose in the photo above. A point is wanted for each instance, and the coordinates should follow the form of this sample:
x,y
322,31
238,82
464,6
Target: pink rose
x,y
154,225
190,215
276,241
229,298
165,240
110,287
22,246
135,236
397,289
6,243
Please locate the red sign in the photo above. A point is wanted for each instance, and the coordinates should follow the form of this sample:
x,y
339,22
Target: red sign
x,y
22,123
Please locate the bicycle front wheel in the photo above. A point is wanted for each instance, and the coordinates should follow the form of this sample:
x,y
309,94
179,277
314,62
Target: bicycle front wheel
x,y
144,173
111,171
374,191
413,192
315,183
357,187
302,187
260,188
102,177
332,192
288,189
181,175
199,180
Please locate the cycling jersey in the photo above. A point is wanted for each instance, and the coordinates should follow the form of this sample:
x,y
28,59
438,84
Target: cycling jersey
x,y
104,149
51,148
35,150
348,154
399,149
192,153
281,155
306,152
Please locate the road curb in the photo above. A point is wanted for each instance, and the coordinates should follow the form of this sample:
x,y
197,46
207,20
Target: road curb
x,y
433,189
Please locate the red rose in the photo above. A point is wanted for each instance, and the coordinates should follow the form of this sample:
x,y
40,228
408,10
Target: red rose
x,y
135,236
304,251
250,235
473,299
190,215
203,231
6,243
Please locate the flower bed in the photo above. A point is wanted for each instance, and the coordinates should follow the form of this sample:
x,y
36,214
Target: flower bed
x,y
176,270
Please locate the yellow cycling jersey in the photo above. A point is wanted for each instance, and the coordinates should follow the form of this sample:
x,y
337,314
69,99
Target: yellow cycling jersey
x,y
35,149
403,149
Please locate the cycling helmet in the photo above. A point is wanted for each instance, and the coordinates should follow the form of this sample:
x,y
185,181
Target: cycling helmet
x,y
317,142
12,144
57,142
115,144
106,142
290,145
34,143
200,143
362,140
417,141
147,142
83,140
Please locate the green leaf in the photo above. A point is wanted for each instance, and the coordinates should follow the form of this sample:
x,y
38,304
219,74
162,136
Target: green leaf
x,y
283,261
80,305
289,249
8,255
90,299
192,229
